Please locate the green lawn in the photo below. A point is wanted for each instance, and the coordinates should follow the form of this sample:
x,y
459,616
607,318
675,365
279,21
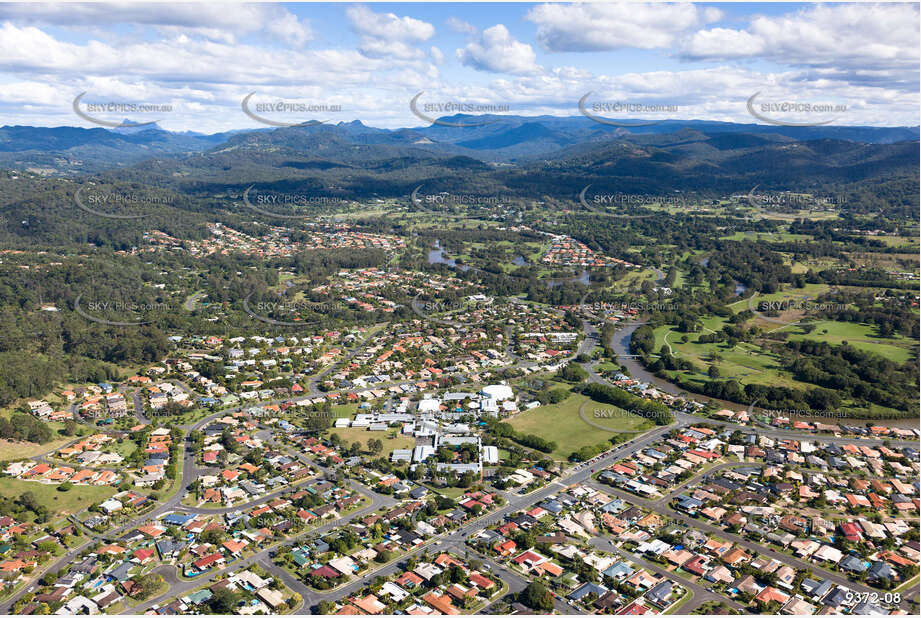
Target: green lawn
x,y
809,292
562,424
126,447
745,362
861,336
11,450
358,434
635,277
448,492
748,363
344,410
768,236
59,503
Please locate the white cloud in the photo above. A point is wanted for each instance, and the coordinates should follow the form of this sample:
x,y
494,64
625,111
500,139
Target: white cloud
x,y
203,61
179,60
863,37
724,43
497,51
459,25
213,21
387,35
600,27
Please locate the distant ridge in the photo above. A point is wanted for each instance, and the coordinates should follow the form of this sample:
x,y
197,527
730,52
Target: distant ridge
x,y
503,139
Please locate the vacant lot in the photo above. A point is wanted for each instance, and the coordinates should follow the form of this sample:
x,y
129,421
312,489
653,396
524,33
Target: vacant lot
x,y
59,503
11,450
562,424
391,438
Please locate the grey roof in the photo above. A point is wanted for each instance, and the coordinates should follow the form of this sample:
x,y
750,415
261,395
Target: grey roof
x,y
660,592
586,589
120,571
853,563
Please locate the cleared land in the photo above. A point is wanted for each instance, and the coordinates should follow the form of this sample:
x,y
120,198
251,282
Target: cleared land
x,y
59,503
362,435
562,424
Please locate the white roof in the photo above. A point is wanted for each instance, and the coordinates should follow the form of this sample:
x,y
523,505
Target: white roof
x,y
499,392
429,405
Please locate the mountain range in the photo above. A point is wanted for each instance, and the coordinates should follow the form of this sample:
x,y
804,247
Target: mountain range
x,y
489,138
534,159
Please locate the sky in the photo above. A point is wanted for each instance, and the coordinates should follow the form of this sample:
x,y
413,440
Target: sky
x,y
189,66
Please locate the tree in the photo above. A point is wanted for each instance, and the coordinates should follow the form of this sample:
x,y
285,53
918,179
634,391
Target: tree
x,y
146,585
573,373
536,596
223,601
213,536
325,607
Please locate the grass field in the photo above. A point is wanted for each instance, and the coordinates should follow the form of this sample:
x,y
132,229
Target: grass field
x,y
808,292
345,410
350,434
748,363
11,450
448,492
562,424
126,447
768,236
861,336
745,362
635,277
59,503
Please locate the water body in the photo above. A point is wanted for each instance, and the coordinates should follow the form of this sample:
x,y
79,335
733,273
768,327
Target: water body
x,y
620,342
583,278
437,256
741,288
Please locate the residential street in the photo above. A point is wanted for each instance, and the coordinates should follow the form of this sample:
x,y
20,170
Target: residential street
x,y
455,540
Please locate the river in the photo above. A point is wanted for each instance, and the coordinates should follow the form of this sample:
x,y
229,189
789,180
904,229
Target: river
x,y
437,256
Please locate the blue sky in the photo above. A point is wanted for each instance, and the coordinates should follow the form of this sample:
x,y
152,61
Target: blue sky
x,y
194,62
